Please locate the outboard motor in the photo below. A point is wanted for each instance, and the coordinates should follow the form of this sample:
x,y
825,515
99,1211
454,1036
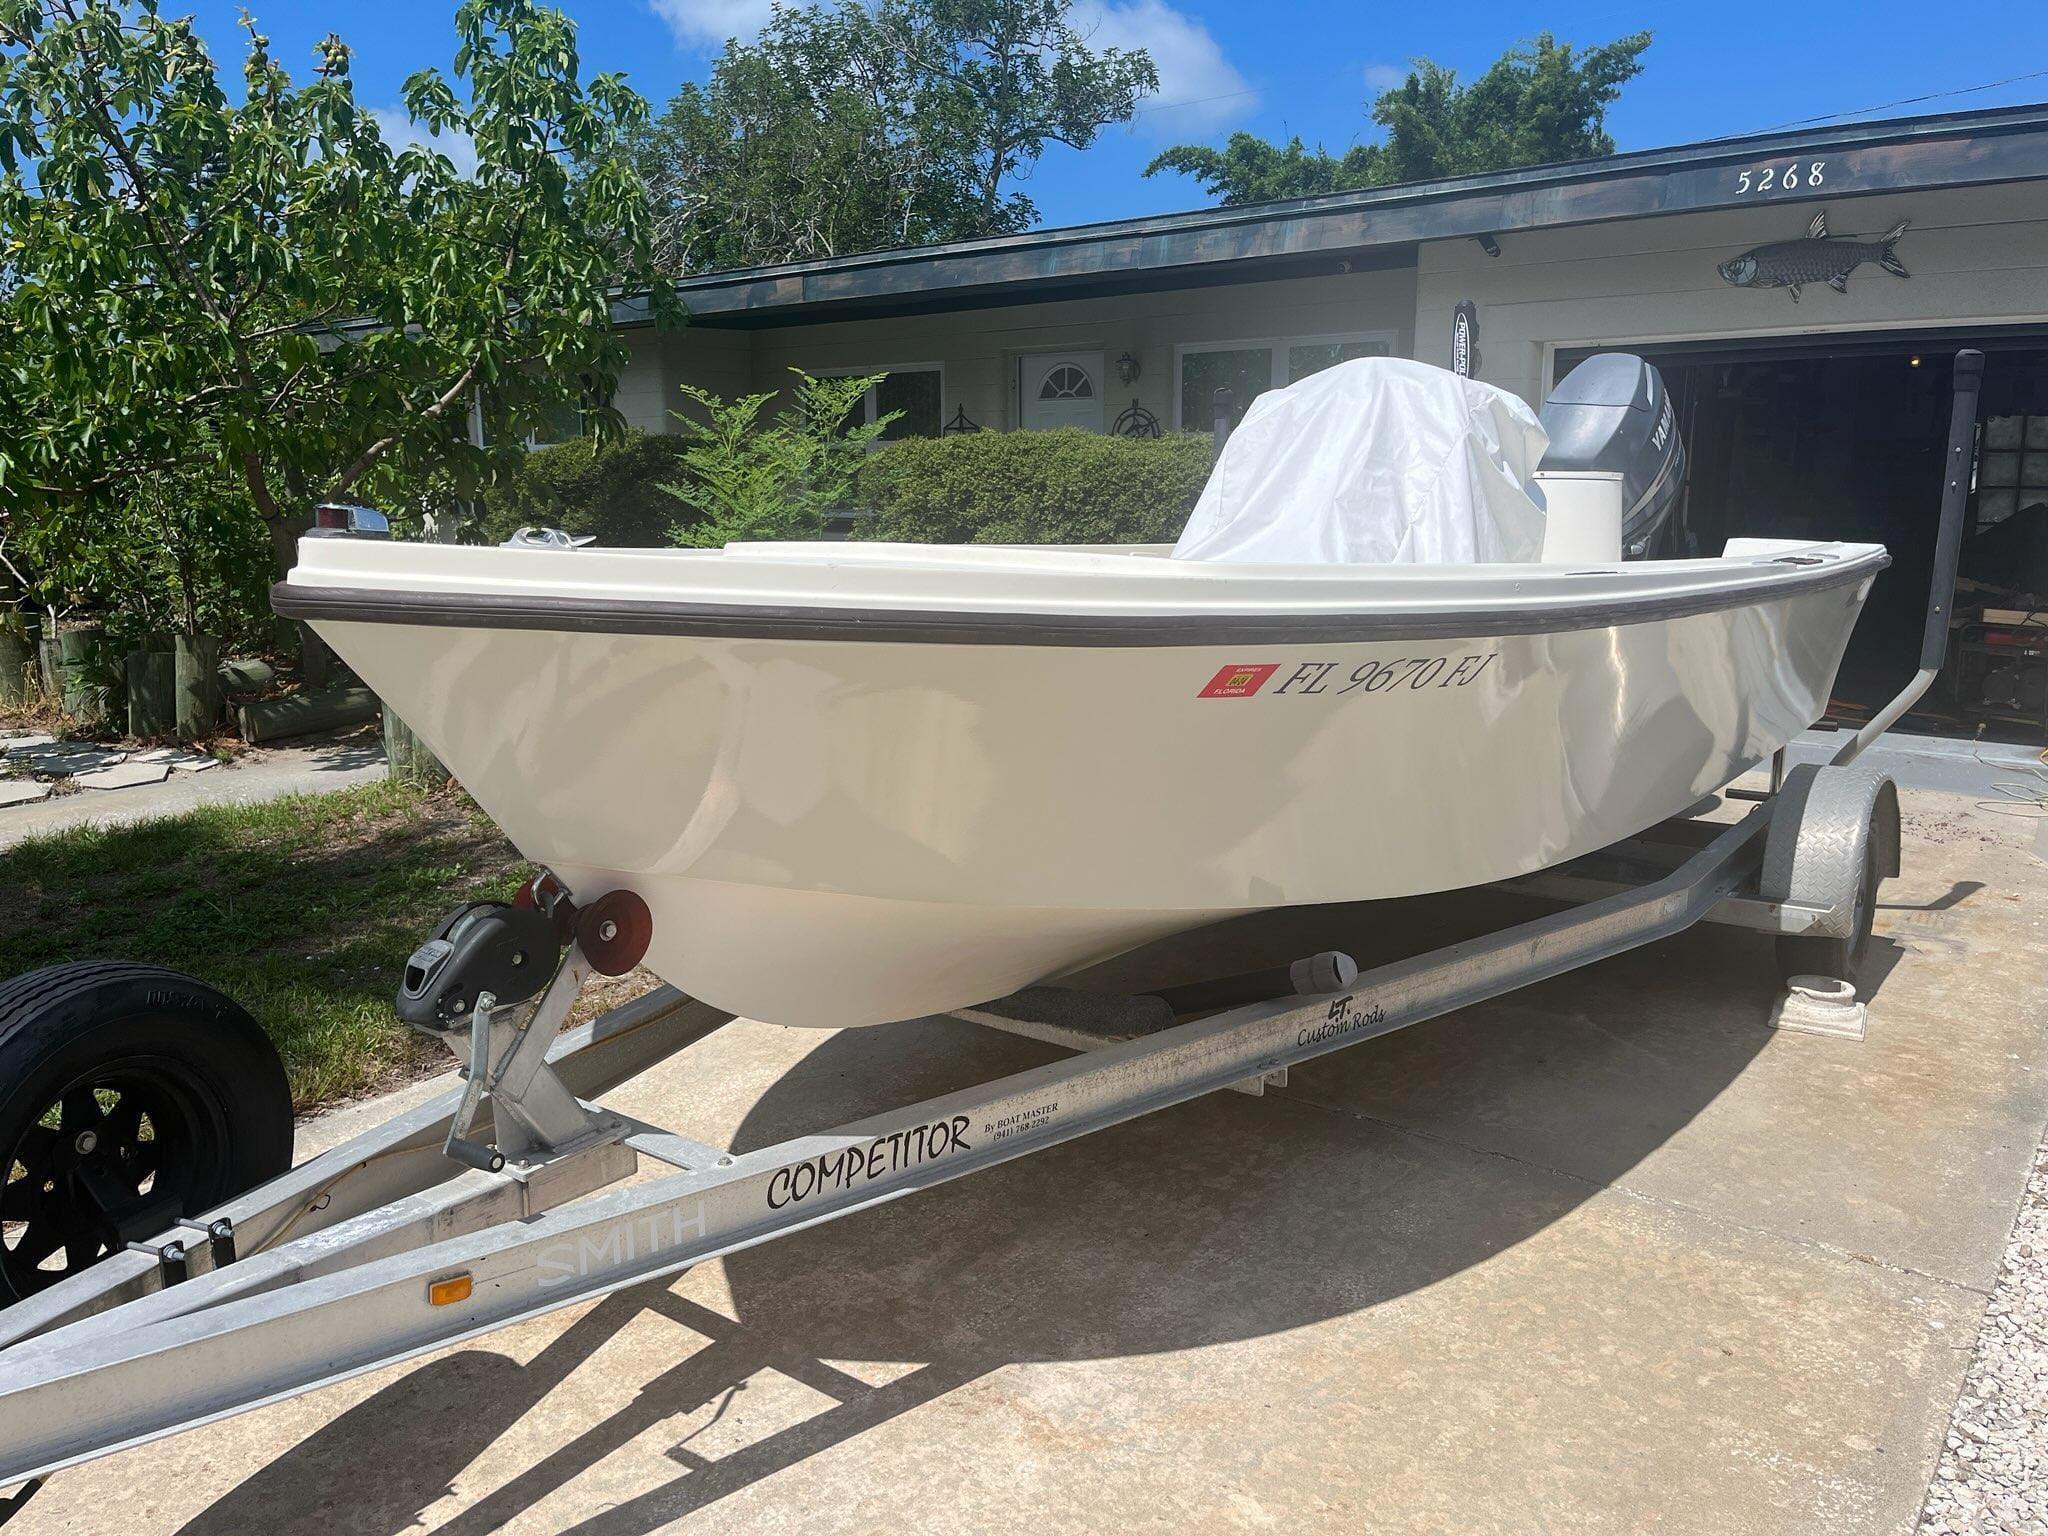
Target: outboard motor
x,y
1615,467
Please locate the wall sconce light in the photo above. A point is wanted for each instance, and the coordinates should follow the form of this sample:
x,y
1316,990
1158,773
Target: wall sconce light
x,y
1127,368
1488,244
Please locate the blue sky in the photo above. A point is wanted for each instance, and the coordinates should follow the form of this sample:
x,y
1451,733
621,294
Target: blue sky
x,y
1278,67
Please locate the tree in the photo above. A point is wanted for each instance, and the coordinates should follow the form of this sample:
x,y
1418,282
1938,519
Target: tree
x,y
853,126
776,480
1538,104
263,291
1249,169
783,153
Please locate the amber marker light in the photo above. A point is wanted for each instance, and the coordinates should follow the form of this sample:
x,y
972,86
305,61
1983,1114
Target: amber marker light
x,y
450,1289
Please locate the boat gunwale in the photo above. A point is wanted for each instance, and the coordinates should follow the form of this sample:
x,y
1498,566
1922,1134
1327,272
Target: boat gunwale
x,y
565,614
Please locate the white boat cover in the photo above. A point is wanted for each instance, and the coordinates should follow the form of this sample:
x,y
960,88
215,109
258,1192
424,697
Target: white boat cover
x,y
1378,461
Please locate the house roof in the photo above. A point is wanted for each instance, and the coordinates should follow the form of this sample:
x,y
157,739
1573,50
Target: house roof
x,y
1373,227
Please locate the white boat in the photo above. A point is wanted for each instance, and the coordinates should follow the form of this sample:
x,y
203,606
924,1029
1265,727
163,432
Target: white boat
x,y
857,783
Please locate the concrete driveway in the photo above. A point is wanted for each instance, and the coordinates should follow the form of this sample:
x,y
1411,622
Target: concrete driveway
x,y
305,767
1607,1255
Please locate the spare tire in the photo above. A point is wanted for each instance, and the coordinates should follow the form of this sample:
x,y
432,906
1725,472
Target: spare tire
x,y
130,1096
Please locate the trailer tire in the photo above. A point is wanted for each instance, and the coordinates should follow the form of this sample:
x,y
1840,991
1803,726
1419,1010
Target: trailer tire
x,y
130,1096
1834,839
1806,954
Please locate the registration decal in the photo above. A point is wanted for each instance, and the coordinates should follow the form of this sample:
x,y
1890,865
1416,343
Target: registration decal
x,y
1415,673
1239,682
1334,679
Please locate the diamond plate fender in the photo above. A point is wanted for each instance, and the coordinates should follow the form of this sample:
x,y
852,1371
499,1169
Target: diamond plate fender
x,y
1827,824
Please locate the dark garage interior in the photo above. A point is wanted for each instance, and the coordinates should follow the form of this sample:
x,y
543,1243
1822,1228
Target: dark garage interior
x,y
1842,438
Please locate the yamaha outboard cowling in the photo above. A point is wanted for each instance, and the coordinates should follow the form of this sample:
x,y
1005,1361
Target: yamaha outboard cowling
x,y
1613,415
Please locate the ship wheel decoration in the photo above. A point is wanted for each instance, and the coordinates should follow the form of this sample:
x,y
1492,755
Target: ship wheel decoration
x,y
1135,421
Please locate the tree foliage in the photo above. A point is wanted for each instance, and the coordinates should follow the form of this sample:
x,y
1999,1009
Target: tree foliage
x,y
259,290
750,478
1061,487
180,553
609,488
1539,103
853,126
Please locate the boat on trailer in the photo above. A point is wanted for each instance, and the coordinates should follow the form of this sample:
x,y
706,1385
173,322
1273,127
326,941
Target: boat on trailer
x,y
514,1194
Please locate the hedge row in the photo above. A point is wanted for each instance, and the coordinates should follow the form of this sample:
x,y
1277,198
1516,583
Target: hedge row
x,y
610,489
1063,487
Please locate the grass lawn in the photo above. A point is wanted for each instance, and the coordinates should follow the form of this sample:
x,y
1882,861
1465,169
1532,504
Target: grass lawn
x,y
303,910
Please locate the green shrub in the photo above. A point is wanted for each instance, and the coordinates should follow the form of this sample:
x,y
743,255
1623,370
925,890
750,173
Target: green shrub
x,y
175,550
1063,487
610,489
748,479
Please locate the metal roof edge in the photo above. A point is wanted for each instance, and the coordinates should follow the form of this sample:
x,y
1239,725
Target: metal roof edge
x,y
822,281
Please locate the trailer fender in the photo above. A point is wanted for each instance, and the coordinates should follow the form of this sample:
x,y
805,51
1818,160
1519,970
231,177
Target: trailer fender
x,y
1830,830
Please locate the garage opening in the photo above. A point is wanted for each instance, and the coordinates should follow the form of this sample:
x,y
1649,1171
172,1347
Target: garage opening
x,y
1842,438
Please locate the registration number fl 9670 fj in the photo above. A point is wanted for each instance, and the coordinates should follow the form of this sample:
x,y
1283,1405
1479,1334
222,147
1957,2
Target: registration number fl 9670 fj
x,y
1302,679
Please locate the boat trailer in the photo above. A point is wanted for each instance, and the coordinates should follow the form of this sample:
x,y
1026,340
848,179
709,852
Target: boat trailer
x,y
392,1245
518,1193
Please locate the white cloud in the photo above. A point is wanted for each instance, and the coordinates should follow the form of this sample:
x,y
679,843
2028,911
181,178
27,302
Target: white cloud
x,y
1384,77
706,24
399,130
1199,89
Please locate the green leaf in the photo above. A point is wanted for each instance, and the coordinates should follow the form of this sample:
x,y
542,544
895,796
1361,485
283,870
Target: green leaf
x,y
854,127
269,309
1537,104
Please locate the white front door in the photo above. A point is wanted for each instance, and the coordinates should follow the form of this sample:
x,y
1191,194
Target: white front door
x,y
1061,389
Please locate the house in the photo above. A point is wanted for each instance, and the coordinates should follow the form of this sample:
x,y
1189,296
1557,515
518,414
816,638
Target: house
x,y
1811,409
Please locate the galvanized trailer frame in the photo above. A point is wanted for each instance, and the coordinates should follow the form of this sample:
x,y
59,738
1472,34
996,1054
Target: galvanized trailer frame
x,y
385,1248
510,1197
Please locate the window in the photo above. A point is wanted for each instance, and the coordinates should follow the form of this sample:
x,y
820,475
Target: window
x,y
562,423
1249,368
1066,382
1246,372
1314,356
2012,467
914,389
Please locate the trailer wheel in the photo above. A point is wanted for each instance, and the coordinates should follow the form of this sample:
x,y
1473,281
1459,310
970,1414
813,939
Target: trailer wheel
x,y
129,1096
1834,839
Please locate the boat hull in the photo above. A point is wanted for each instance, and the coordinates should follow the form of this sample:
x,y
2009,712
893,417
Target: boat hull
x,y
844,832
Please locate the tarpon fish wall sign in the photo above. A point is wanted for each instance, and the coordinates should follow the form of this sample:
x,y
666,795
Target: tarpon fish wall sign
x,y
1819,258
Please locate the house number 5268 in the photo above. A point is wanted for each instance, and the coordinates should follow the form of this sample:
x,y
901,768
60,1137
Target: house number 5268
x,y
1771,179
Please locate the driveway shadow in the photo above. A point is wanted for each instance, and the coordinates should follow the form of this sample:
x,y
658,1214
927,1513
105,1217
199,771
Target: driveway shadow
x,y
1959,891
1380,1170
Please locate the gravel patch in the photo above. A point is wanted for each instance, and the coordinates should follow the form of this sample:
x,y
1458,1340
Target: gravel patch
x,y
1993,1475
